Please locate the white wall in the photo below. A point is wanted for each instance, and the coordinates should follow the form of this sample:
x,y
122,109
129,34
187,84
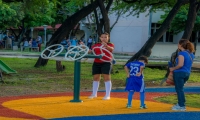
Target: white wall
x,y
87,32
130,33
197,53
156,16
165,50
177,37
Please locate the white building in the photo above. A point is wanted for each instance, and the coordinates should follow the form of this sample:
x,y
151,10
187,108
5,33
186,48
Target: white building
x,y
168,43
131,33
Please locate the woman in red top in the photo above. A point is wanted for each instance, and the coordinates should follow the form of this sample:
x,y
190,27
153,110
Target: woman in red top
x,y
101,67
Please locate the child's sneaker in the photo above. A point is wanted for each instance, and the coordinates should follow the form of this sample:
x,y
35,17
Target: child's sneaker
x,y
92,96
106,98
143,107
128,106
178,108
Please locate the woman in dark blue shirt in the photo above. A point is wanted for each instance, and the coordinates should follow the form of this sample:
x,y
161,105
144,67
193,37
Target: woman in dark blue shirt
x,y
181,71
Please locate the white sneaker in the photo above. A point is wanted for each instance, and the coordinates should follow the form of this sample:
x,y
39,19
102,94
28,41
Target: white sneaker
x,y
92,96
178,108
106,98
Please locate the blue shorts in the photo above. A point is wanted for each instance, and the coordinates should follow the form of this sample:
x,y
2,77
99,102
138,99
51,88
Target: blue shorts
x,y
135,84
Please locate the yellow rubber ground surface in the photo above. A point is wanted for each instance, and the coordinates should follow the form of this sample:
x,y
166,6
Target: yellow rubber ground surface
x,y
59,107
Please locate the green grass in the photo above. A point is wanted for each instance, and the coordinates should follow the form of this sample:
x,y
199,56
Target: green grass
x,y
48,79
192,100
27,71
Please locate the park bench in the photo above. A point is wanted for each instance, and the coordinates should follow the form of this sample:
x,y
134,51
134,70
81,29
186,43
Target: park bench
x,y
30,48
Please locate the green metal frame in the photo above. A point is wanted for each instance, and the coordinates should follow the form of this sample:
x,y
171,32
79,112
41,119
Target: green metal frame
x,y
77,75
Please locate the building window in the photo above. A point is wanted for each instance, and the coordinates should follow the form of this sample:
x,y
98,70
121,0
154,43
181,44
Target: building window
x,y
193,37
167,37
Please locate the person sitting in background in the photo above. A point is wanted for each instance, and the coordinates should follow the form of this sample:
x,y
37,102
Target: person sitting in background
x,y
68,42
25,44
34,44
89,42
73,42
30,42
12,37
80,42
1,44
39,40
65,43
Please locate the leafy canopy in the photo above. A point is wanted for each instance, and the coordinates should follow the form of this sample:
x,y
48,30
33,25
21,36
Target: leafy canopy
x,y
141,6
29,13
6,15
179,22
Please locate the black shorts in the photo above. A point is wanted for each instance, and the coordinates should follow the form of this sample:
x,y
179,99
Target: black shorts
x,y
101,68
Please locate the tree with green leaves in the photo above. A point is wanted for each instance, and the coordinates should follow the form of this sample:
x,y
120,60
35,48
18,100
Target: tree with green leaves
x,y
179,22
7,14
186,20
27,14
153,5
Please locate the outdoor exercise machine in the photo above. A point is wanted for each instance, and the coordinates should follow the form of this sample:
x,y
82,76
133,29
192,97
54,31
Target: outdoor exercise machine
x,y
75,53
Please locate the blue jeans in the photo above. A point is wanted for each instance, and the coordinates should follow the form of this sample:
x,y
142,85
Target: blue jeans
x,y
179,80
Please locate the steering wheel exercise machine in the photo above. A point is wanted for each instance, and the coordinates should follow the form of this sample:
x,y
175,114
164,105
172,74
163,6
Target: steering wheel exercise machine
x,y
75,53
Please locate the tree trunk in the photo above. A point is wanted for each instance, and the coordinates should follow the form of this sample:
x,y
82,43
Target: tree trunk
x,y
99,30
119,13
59,66
22,32
19,34
104,12
196,41
103,22
146,49
66,27
191,18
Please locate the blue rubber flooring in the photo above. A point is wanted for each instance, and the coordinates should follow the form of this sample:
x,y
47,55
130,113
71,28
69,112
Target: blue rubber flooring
x,y
168,89
142,116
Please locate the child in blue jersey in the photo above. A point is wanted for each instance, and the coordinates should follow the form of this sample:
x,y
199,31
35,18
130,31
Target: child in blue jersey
x,y
135,82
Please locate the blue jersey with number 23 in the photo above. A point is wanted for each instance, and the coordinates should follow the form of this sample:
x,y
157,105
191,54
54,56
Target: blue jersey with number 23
x,y
134,68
